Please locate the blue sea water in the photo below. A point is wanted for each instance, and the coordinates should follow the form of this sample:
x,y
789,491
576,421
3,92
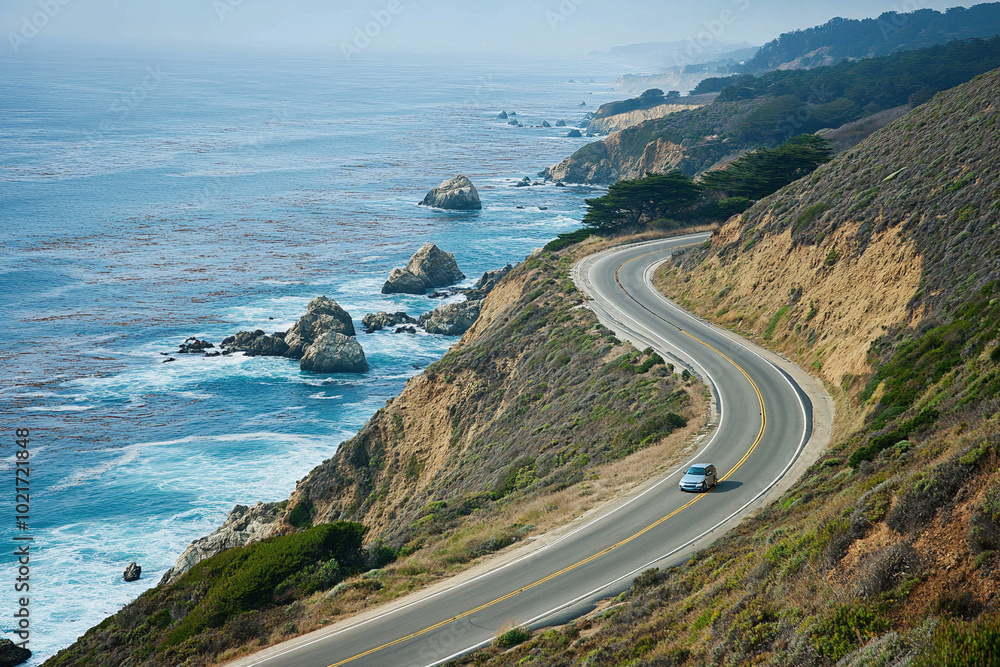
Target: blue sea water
x,y
145,198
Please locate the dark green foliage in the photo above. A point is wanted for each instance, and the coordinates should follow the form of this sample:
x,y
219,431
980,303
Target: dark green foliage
x,y
651,98
246,578
301,515
630,202
809,100
890,32
838,635
569,238
767,170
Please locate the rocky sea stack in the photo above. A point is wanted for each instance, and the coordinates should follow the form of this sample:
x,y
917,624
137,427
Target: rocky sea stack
x,y
429,267
312,337
457,194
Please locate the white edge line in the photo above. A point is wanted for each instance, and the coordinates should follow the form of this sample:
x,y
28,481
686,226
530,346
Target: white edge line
x,y
791,462
700,453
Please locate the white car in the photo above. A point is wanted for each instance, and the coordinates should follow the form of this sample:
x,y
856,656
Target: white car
x,y
699,477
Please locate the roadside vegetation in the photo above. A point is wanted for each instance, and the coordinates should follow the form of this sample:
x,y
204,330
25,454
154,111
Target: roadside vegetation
x,y
886,550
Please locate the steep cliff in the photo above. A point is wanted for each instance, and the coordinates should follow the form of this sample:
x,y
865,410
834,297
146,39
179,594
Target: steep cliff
x,y
514,409
880,273
621,121
687,140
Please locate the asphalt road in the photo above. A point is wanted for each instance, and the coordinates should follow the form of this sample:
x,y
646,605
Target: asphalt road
x,y
763,423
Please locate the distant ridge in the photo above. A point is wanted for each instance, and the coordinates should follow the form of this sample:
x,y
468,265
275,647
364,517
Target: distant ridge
x,y
853,39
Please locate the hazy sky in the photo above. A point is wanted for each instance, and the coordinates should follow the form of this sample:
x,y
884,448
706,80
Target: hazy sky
x,y
527,27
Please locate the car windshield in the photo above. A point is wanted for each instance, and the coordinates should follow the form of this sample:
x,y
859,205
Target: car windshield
x,y
696,470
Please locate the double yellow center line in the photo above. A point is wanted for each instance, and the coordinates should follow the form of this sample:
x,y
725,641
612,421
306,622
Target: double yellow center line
x,y
457,617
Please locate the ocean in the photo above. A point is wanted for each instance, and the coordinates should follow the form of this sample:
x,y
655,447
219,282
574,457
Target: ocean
x,y
146,198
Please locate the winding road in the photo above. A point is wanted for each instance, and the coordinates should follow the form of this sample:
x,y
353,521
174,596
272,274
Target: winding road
x,y
764,423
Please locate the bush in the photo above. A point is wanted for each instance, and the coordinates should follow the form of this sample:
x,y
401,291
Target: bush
x,y
246,578
837,635
511,636
958,644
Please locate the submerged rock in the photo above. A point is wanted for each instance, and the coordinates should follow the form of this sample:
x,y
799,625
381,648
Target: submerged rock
x,y
428,268
523,183
334,353
323,316
457,194
243,525
560,123
452,319
256,344
194,346
383,320
132,572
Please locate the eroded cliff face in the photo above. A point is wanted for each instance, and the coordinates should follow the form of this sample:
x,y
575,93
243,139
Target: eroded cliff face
x,y
622,121
534,396
618,157
890,234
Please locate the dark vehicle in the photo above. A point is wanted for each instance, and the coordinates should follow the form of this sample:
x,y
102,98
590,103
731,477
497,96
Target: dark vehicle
x,y
699,477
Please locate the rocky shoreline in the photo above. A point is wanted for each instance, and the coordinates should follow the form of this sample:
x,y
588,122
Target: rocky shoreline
x,y
324,339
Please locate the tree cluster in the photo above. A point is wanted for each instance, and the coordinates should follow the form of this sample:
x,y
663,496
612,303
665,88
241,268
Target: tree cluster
x,y
721,193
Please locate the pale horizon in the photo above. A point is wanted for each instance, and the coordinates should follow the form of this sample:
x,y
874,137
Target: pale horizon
x,y
554,28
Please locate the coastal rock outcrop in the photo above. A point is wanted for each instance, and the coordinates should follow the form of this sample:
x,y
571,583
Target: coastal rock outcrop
x,y
11,654
257,344
456,194
334,353
323,316
383,320
429,267
486,284
243,525
132,572
402,281
194,346
452,319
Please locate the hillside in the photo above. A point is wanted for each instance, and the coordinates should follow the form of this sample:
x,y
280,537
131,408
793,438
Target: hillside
x,y
880,273
770,109
853,39
538,414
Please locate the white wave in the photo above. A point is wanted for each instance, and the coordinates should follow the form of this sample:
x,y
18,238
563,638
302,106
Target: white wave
x,y
59,408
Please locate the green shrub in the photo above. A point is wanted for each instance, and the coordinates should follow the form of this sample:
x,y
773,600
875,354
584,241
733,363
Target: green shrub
x,y
512,636
301,515
246,578
961,644
839,634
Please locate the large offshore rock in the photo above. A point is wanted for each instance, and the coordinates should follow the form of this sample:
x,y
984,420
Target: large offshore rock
x,y
428,268
402,281
322,316
457,194
132,572
452,319
334,353
243,525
